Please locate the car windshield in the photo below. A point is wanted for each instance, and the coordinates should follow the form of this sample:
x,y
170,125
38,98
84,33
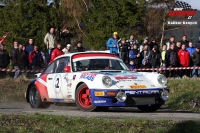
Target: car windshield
x,y
98,64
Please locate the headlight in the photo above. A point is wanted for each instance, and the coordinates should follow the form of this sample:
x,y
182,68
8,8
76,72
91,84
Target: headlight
x,y
121,96
107,81
162,80
164,95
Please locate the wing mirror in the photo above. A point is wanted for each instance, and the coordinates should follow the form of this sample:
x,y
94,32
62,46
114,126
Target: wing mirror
x,y
67,69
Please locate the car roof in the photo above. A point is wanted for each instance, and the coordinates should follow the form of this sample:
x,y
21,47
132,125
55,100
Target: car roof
x,y
87,52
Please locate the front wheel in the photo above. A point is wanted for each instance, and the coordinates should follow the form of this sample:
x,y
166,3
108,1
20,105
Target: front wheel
x,y
83,98
150,108
35,100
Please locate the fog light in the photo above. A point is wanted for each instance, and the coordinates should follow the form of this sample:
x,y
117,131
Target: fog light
x,y
121,96
164,95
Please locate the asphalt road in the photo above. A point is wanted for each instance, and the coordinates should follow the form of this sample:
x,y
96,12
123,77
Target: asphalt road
x,y
72,110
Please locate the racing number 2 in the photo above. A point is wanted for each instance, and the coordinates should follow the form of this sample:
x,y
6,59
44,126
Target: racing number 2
x,y
57,84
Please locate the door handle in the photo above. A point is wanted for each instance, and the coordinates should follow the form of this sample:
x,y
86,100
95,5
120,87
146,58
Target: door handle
x,y
50,78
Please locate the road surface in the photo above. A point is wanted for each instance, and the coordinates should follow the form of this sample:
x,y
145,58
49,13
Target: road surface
x,y
72,110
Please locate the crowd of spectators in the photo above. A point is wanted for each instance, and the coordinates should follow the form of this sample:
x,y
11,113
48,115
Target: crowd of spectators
x,y
151,55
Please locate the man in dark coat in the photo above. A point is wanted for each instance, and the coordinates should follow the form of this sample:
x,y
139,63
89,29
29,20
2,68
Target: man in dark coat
x,y
19,60
4,60
155,58
65,37
79,47
196,61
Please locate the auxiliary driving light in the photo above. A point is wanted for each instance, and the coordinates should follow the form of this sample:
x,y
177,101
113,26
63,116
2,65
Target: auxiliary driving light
x,y
164,95
121,96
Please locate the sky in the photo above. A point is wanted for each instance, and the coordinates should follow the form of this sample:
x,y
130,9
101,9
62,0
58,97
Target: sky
x,y
194,3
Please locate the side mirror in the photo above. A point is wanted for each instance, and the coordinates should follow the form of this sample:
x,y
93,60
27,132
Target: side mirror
x,y
67,69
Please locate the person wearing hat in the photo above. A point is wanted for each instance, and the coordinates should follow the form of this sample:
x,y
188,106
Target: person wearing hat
x,y
196,61
155,58
146,41
79,47
123,49
19,60
113,44
66,50
4,59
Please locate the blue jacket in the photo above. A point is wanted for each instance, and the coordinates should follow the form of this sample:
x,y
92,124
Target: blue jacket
x,y
132,67
29,48
110,44
132,55
191,50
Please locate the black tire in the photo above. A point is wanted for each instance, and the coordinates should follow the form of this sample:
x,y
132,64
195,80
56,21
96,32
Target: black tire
x,y
81,102
150,108
35,99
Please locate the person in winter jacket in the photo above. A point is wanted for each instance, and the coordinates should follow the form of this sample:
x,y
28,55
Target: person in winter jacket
x,y
79,47
184,59
185,41
113,43
131,41
56,52
171,40
153,43
196,61
123,49
66,37
30,46
191,49
67,49
15,46
163,61
155,58
132,65
19,60
35,58
171,58
145,64
146,42
134,55
4,60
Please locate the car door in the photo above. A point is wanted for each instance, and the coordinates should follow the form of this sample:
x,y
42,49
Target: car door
x,y
57,81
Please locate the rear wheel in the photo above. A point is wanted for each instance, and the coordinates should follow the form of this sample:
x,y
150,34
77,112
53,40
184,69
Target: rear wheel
x,y
150,108
35,99
83,98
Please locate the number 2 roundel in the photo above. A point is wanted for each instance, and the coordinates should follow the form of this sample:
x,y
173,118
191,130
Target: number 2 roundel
x,y
57,83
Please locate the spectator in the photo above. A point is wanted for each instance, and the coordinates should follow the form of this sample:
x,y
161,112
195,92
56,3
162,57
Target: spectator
x,y
79,47
134,55
67,49
19,60
178,46
15,46
132,65
184,59
131,41
29,47
56,52
196,61
35,58
144,64
146,41
145,53
66,37
172,60
124,49
50,41
171,40
4,60
163,54
155,58
153,43
191,50
185,41
113,43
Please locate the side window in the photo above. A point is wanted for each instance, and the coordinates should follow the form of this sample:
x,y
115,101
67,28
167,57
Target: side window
x,y
50,68
60,64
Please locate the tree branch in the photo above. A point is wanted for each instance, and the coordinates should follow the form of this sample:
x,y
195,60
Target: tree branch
x,y
79,26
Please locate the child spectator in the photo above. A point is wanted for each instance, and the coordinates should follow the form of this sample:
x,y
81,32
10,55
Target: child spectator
x,y
132,65
134,54
67,49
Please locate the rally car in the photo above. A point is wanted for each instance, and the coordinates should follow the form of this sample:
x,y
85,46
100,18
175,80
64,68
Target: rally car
x,y
96,81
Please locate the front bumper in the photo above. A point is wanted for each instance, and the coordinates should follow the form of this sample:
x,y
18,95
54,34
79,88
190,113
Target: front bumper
x,y
134,97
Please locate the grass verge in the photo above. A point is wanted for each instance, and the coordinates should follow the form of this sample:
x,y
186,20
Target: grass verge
x,y
48,123
184,93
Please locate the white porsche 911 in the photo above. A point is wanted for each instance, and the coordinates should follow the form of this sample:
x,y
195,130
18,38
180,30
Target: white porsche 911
x,y
96,81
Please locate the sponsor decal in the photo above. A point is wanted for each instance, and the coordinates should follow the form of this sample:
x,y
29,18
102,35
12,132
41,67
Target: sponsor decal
x,y
99,93
74,77
125,77
100,101
57,83
138,86
88,76
143,92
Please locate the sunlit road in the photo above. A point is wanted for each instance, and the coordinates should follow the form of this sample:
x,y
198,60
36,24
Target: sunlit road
x,y
72,110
